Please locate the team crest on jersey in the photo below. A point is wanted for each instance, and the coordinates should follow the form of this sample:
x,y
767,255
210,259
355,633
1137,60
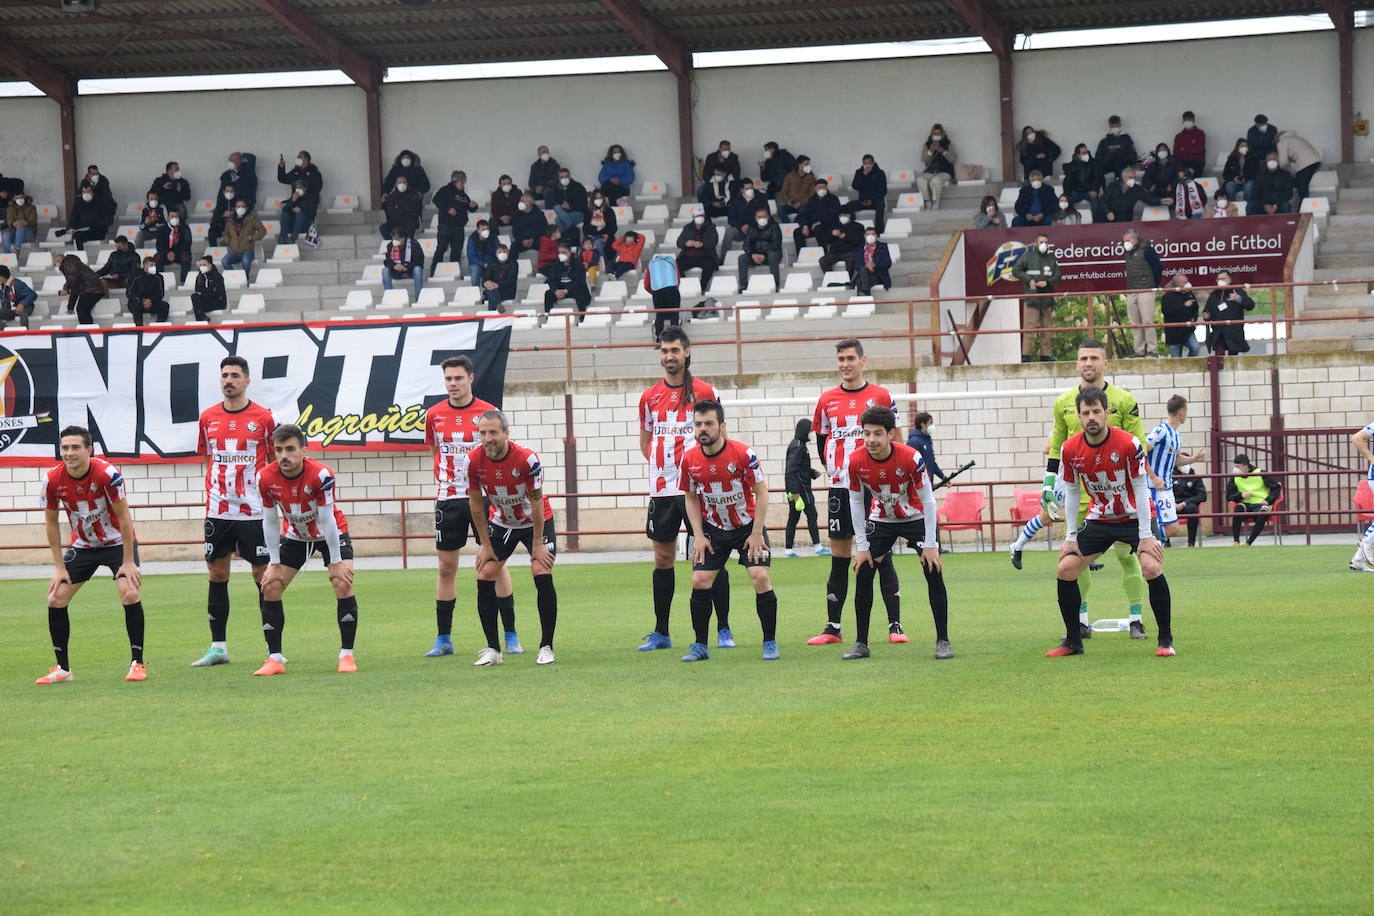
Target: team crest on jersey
x,y
515,474
732,467
1116,456
871,402
253,426
309,490
901,472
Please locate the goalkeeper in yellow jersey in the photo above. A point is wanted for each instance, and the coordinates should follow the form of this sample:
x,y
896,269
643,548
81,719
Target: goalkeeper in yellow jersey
x,y
1123,412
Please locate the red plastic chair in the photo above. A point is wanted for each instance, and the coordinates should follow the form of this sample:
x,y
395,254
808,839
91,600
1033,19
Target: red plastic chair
x,y
1275,520
1364,505
1026,506
962,510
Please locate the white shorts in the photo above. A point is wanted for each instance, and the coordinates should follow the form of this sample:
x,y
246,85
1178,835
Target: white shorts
x,y
1164,506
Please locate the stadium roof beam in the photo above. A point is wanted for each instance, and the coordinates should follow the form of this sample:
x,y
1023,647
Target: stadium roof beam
x,y
61,88
365,73
677,57
999,39
1342,13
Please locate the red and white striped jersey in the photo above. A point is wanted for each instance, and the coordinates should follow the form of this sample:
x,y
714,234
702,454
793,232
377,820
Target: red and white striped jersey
x,y
300,499
89,501
239,443
666,415
1106,471
894,482
507,484
837,418
723,483
451,432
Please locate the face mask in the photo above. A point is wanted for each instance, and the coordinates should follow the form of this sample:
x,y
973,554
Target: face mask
x,y
992,211
762,222
543,157
1063,205
1162,155
1044,247
937,136
174,221
768,154
1189,125
844,219
152,204
1030,137
717,179
202,268
1222,281
232,167
1272,164
19,201
150,270
228,195
748,193
300,163
1130,182
806,170
615,157
699,220
1128,245
505,188
87,197
1084,157
405,163
821,192
597,202
1221,205
522,206
176,174
1243,150
240,212
485,233
502,256
1114,131
1037,185
870,239
94,175
725,154
565,181
401,185
563,258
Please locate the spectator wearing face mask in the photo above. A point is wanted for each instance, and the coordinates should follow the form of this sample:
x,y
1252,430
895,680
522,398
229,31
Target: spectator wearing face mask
x,y
627,251
241,177
1190,494
454,205
90,218
1082,177
617,174
172,190
740,217
696,247
1273,189
1189,196
1119,201
567,283
1225,316
543,175
174,246
1221,207
17,299
1262,138
1178,304
568,199
1038,271
1190,145
505,202
717,193
9,187
1115,151
403,258
81,286
1143,274
591,260
121,266
723,158
937,159
600,223
797,189
209,295
498,278
989,216
529,225
152,218
299,209
762,248
1159,176
1238,173
870,191
872,264
482,250
1036,152
242,232
1066,214
777,163
1251,492
817,216
21,218
1036,204
548,249
224,207
1299,157
403,208
99,185
406,167
841,242
148,294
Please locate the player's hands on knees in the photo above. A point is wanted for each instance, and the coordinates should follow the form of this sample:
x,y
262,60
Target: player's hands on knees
x,y
930,559
130,572
1150,547
59,579
541,560
863,558
700,547
1069,549
271,577
341,571
484,556
756,547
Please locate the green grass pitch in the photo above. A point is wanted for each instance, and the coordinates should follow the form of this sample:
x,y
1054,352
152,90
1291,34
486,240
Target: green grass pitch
x,y
1233,778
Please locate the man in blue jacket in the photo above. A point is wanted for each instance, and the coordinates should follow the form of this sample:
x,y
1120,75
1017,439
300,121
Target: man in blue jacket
x,y
1035,205
921,440
17,299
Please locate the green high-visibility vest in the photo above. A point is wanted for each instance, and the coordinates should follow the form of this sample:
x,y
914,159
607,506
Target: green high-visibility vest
x,y
1252,489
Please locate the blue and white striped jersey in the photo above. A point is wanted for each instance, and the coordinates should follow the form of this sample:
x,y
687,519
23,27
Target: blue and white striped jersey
x,y
1165,443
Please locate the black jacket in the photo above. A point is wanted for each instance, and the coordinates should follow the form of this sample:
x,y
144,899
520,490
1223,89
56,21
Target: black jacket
x,y
124,263
850,238
742,211
1121,201
99,213
530,226
1029,155
11,186
244,179
767,240
101,189
1237,302
571,276
776,169
1273,483
1189,493
819,212
1239,168
1262,141
574,195
411,257
926,446
1273,187
1178,305
1115,153
798,472
730,165
705,233
170,191
415,175
543,175
182,248
312,179
1082,177
147,286
872,186
210,294
1159,178
504,275
404,210
607,230
450,198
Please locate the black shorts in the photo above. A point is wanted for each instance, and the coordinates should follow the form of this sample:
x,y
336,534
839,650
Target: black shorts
x,y
294,553
883,535
666,516
82,562
840,524
723,542
452,524
225,535
504,540
1096,537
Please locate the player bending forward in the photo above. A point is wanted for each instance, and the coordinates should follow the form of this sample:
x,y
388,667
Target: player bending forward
x,y
1363,560
298,494
92,492
510,477
903,508
725,510
1110,463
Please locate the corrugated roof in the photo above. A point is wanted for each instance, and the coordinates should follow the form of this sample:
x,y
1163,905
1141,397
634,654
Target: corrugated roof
x,y
133,38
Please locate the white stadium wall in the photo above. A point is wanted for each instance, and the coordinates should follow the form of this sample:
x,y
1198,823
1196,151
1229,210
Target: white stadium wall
x,y
31,146
1364,89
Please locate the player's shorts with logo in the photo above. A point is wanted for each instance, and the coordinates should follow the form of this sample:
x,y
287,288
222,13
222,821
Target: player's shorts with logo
x,y
82,562
452,524
225,535
504,540
667,514
294,553
840,525
1096,537
1164,505
883,535
724,542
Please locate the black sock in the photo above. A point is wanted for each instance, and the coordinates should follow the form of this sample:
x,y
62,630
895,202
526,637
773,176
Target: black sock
x,y
505,605
1235,527
218,607
891,590
720,599
813,527
261,600
665,583
701,614
863,601
547,600
273,622
939,601
767,606
133,624
443,615
348,621
60,628
1255,532
836,590
1069,599
1162,603
1193,524
487,614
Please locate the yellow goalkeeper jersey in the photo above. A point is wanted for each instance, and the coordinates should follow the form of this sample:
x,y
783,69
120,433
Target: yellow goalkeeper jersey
x,y
1122,411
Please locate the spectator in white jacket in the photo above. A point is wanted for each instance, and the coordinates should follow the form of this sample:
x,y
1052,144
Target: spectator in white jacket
x,y
1299,157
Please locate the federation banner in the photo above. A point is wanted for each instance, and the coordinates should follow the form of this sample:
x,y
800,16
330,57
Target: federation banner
x,y
354,386
1253,248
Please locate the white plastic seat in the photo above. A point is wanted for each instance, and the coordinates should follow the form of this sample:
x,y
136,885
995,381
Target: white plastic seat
x,y
42,260
447,272
216,252
859,307
48,212
372,276
760,284
598,316
107,308
613,291
204,208
525,321
724,285
468,295
834,179
908,202
821,308
344,203
1154,214
268,278
431,297
731,261
783,310
1317,206
834,278
235,279
52,285
901,178
686,212
535,294
689,287
624,216
652,189
809,258
11,260
285,254
272,227
1325,181
251,304
895,251
428,246
393,299
1006,200
898,228
797,282
129,232
748,310
200,231
654,214
179,305
359,300
635,318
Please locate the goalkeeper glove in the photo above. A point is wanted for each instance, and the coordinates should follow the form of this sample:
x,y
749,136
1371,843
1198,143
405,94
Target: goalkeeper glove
x,y
1047,499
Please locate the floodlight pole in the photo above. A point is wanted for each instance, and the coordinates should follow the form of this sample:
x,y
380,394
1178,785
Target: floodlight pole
x,y
61,88
1342,13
